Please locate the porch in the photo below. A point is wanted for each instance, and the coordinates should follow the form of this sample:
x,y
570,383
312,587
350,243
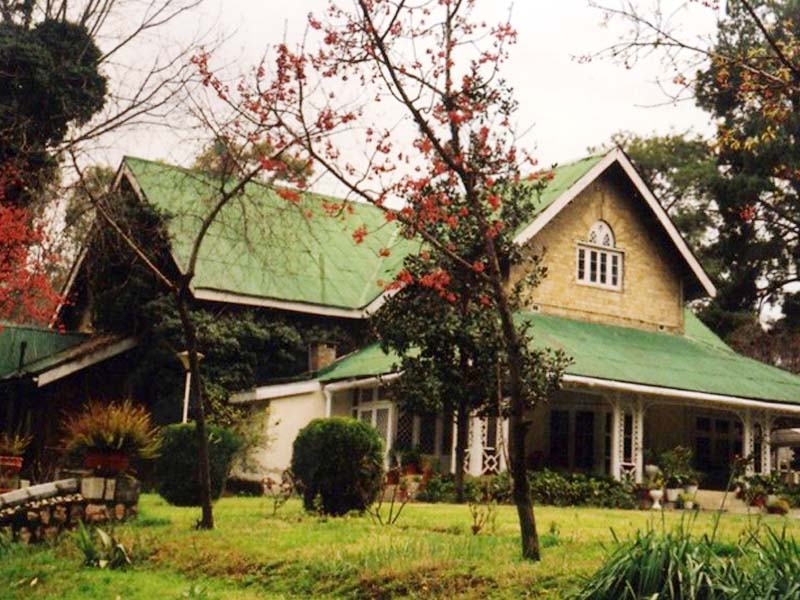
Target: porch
x,y
585,429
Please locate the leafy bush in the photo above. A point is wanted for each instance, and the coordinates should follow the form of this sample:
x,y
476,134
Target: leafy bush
x,y
176,469
677,467
547,487
113,427
577,489
340,461
442,488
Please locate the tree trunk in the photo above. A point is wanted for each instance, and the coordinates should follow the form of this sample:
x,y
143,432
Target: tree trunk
x,y
522,489
196,396
462,439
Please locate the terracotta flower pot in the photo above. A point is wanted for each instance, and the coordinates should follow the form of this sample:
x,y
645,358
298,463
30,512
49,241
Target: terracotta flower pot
x,y
106,463
10,465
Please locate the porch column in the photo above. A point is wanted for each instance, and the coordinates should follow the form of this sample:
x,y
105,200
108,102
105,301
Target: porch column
x,y
766,445
454,427
616,440
638,439
475,446
747,438
503,445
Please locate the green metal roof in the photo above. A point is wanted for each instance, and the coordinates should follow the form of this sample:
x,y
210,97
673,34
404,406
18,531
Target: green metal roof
x,y
264,246
40,345
564,177
697,361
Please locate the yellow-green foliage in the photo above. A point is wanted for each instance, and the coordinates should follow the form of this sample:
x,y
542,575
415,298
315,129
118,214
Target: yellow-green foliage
x,y
13,445
115,426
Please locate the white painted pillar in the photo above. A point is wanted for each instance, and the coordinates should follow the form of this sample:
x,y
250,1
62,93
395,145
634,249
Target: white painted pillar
x,y
766,445
616,440
475,447
328,402
453,444
638,440
747,438
503,445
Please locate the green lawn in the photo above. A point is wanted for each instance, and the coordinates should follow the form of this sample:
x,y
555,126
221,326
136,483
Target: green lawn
x,y
431,552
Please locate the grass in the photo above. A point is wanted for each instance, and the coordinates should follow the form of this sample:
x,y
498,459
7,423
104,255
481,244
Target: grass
x,y
430,553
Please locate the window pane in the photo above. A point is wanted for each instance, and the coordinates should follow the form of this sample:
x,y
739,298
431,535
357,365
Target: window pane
x,y
615,270
382,424
603,266
593,266
581,264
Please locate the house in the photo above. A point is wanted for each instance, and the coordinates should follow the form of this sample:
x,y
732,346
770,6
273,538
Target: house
x,y
647,374
45,373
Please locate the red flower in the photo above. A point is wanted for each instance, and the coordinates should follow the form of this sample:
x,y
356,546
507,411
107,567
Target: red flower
x,y
287,194
360,233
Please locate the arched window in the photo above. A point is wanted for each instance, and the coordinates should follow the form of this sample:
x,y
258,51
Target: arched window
x,y
599,261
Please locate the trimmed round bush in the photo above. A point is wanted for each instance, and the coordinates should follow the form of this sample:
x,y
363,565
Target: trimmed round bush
x,y
176,468
340,461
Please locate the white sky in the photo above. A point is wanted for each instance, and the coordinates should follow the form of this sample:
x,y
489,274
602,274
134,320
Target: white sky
x,y
571,106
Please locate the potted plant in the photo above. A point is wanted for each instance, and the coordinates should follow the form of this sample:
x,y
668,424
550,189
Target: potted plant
x,y
779,506
687,501
673,488
677,466
12,449
656,485
108,435
410,461
692,483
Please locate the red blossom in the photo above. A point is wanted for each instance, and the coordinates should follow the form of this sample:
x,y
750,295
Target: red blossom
x,y
360,233
287,194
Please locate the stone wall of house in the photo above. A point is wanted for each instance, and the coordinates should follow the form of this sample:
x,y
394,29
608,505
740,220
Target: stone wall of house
x,y
651,297
42,512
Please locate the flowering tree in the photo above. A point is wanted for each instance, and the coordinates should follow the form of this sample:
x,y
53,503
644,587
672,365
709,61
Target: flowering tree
x,y
26,294
450,155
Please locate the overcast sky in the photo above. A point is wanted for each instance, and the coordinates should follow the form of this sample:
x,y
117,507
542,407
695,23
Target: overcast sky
x,y
570,106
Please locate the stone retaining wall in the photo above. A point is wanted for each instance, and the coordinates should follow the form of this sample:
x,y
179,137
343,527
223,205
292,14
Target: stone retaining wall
x,y
41,512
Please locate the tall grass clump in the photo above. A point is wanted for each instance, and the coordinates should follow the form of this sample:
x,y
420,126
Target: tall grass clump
x,y
656,565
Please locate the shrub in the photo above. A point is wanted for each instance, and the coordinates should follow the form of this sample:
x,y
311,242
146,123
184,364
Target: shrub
x,y
339,460
442,488
176,469
112,427
577,489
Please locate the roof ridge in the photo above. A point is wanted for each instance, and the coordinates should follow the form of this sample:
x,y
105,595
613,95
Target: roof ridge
x,y
316,196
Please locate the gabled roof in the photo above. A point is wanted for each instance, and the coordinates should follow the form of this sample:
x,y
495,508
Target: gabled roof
x,y
49,355
263,249
697,361
582,174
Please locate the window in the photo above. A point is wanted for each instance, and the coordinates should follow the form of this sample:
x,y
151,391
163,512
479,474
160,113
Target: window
x,y
599,261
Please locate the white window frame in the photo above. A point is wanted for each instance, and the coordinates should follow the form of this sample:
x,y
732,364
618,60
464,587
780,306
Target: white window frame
x,y
608,253
372,403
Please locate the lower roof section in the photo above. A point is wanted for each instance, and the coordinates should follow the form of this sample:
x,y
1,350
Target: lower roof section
x,y
695,362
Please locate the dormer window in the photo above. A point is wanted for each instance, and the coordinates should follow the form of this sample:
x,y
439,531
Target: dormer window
x,y
599,261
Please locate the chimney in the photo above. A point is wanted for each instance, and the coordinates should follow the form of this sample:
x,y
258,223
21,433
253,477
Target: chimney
x,y
320,355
